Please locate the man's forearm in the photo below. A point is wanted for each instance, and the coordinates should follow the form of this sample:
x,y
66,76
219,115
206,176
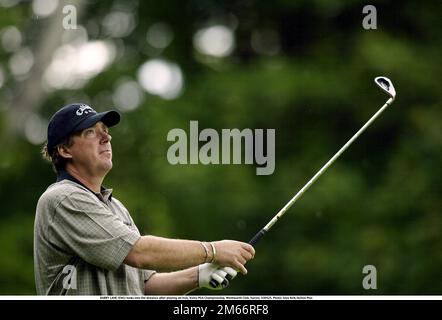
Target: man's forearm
x,y
164,254
172,283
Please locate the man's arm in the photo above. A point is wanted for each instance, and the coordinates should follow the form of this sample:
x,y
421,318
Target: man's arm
x,y
174,283
163,254
185,281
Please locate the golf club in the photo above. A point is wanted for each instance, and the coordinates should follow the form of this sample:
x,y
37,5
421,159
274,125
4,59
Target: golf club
x,y
386,85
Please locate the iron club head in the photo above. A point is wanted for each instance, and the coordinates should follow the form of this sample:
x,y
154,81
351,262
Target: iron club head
x,y
385,84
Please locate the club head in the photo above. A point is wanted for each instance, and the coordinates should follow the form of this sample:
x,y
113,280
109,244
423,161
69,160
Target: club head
x,y
385,84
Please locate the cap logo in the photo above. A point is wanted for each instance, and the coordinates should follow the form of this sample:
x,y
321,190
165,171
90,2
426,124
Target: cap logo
x,y
84,109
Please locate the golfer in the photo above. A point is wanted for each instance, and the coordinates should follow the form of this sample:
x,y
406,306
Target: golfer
x,y
85,241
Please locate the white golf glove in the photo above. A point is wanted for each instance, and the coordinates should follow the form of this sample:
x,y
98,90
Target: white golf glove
x,y
209,271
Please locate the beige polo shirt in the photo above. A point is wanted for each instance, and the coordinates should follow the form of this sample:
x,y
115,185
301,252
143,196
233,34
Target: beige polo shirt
x,y
80,241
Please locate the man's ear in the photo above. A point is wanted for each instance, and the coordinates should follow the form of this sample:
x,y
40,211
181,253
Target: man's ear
x,y
64,151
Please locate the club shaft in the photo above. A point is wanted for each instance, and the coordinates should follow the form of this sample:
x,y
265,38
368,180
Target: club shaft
x,y
318,174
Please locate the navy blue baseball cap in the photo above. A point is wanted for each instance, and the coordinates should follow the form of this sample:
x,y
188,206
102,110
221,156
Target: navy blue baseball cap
x,y
75,117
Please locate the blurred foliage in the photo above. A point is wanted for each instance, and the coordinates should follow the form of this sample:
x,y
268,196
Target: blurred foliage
x,y
379,204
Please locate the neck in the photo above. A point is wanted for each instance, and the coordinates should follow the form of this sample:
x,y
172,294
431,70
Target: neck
x,y
92,182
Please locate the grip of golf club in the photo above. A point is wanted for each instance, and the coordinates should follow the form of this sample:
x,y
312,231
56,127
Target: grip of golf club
x,y
257,236
213,283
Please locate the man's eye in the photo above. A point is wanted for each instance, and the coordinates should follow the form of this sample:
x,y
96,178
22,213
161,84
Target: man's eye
x,y
89,131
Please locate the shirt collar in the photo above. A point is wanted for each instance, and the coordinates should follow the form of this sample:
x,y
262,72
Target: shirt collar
x,y
103,195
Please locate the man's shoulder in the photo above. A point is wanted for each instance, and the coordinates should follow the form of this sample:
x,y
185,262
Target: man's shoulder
x,y
58,191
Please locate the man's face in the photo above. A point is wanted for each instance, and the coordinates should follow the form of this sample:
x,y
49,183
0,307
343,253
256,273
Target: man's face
x,y
92,151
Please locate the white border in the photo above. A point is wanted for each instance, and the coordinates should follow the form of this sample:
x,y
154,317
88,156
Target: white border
x,y
225,298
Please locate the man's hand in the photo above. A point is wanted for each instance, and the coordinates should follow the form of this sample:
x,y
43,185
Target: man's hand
x,y
233,254
209,271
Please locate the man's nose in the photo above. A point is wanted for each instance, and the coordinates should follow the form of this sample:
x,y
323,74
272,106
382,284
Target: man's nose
x,y
105,136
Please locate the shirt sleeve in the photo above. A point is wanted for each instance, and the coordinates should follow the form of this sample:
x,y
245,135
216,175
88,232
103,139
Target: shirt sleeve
x,y
92,231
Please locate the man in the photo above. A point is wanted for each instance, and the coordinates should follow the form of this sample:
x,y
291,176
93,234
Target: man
x,y
85,241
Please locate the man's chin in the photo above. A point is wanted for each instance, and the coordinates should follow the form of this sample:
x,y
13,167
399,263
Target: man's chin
x,y
107,165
